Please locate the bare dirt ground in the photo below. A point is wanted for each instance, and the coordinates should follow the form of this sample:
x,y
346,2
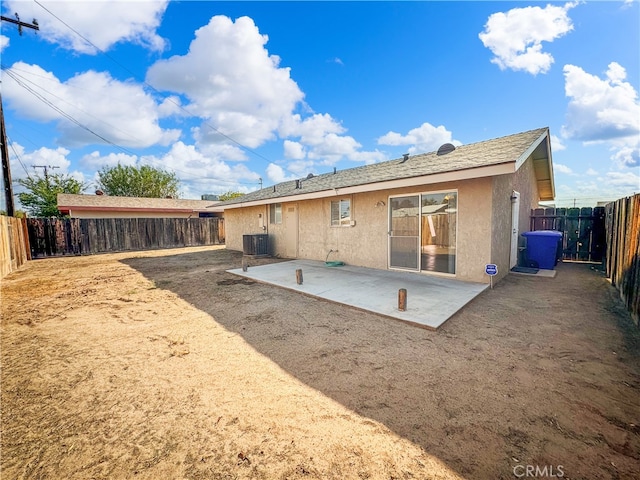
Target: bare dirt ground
x,y
161,365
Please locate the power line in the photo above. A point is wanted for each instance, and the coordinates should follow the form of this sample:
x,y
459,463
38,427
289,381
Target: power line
x,y
15,153
244,147
22,81
18,79
46,171
66,115
35,85
4,152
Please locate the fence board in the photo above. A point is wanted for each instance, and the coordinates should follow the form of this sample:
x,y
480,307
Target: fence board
x,y
583,230
623,250
87,236
13,244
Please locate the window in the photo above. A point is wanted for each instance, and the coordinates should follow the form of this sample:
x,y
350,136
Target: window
x,y
341,213
275,213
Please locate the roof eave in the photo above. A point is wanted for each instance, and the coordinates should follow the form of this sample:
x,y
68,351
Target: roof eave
x,y
67,208
466,174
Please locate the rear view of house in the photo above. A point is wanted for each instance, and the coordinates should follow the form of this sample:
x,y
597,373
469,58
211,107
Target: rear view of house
x,y
449,212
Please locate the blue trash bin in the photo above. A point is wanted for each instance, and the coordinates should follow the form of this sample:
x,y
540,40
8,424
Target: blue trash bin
x,y
542,247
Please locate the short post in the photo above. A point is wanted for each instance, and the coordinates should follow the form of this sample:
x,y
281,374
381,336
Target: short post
x,y
299,276
244,264
491,269
402,299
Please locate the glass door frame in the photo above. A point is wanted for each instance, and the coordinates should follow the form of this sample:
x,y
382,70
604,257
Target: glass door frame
x,y
419,259
390,235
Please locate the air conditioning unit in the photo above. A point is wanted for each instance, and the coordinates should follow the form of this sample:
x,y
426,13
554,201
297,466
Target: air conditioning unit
x,y
256,244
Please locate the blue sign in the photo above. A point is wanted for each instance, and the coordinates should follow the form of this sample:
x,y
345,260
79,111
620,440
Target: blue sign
x,y
491,269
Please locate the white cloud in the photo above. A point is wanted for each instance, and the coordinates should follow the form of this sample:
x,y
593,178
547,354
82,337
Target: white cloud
x,y
4,42
516,37
294,150
96,161
333,148
103,23
170,106
558,167
225,151
626,180
95,100
595,187
312,130
322,140
276,174
200,173
425,138
604,111
22,163
301,168
556,144
232,81
244,96
368,157
55,159
626,155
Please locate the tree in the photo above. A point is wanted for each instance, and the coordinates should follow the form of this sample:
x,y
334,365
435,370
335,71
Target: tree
x,y
143,181
41,197
229,196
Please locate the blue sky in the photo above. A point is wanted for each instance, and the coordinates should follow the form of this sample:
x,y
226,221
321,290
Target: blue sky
x,y
231,94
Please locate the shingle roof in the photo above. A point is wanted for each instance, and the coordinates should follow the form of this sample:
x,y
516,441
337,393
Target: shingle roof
x,y
67,200
486,153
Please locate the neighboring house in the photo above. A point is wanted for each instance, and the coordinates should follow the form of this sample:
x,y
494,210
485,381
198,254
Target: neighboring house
x,y
104,206
449,212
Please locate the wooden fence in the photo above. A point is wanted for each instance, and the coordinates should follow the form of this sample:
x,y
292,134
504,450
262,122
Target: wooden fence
x,y
583,229
623,250
438,232
87,236
13,247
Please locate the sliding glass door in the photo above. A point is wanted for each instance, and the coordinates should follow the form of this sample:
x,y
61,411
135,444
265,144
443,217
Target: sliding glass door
x,y
422,232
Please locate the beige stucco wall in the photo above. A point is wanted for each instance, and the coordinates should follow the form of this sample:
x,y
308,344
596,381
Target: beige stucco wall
x,y
365,244
524,182
501,220
242,221
474,229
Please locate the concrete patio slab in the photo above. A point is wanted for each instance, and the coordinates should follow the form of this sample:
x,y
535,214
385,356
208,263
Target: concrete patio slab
x,y
431,301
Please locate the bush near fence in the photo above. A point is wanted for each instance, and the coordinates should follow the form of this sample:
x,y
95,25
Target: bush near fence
x,y
623,250
13,248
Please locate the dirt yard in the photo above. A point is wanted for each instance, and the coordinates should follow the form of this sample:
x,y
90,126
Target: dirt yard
x,y
160,365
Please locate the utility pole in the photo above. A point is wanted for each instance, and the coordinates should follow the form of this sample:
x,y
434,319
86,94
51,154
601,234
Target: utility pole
x,y
46,171
34,25
6,170
4,149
